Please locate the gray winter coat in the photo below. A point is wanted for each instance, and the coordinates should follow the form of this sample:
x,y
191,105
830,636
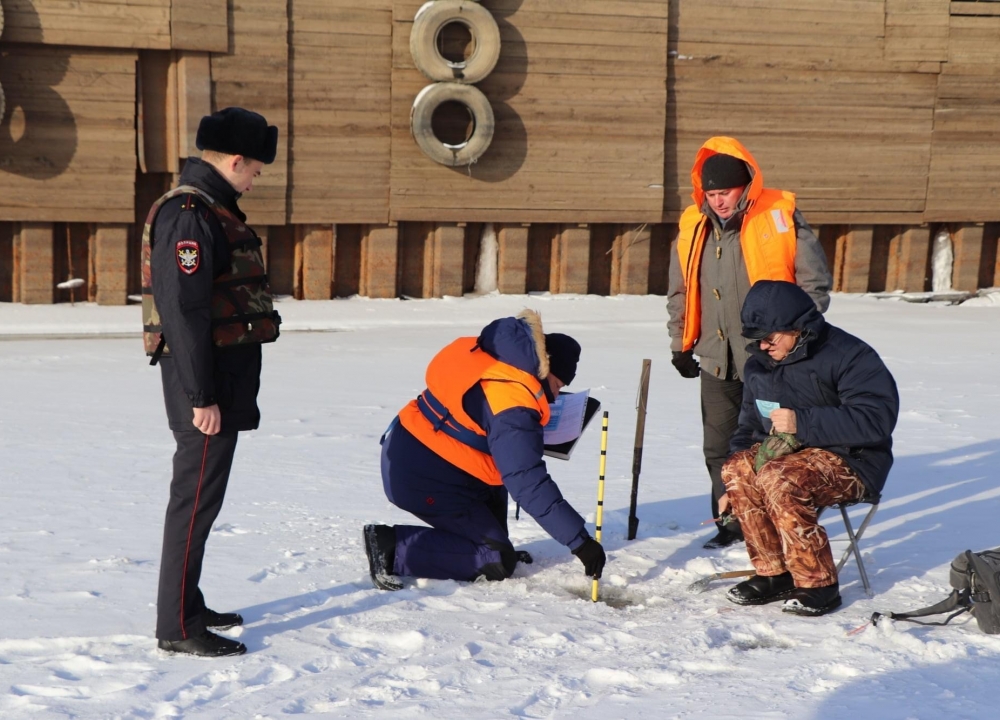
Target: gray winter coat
x,y
724,286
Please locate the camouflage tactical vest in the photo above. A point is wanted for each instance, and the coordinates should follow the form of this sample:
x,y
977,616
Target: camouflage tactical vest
x,y
242,307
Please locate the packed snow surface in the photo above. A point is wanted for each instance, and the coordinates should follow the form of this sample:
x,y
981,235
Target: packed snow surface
x,y
86,466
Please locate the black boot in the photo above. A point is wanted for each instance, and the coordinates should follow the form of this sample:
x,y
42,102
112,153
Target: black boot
x,y
813,602
221,621
725,538
380,547
760,590
208,644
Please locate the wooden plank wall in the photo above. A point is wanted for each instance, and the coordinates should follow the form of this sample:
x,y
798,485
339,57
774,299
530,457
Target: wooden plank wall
x,y
340,63
579,99
200,25
916,30
824,111
147,24
254,75
879,114
68,138
965,159
94,23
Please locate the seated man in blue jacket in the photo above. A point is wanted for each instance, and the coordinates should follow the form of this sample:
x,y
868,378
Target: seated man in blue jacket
x,y
473,437
815,429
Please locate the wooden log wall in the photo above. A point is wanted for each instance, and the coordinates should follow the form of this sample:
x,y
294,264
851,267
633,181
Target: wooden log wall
x,y
339,66
877,113
149,24
254,74
967,118
67,139
829,106
579,100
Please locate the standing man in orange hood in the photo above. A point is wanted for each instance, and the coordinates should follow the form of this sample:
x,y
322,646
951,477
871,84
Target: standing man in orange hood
x,y
736,233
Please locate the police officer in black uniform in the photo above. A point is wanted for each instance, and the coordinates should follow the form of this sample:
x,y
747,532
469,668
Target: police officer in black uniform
x,y
206,309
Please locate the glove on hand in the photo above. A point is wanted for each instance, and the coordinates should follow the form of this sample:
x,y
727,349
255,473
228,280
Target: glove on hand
x,y
592,556
774,446
685,363
523,556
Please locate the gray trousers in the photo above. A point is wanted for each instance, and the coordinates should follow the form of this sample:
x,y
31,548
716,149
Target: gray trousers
x,y
720,415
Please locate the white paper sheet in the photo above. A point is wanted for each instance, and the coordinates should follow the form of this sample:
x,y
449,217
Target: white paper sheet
x,y
566,417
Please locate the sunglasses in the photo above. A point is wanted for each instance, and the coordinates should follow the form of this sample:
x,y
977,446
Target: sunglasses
x,y
772,339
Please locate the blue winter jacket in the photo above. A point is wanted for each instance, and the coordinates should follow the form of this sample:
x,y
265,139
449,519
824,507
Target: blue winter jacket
x,y
844,397
417,474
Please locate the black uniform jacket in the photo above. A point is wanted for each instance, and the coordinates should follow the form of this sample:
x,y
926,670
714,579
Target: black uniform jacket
x,y
195,373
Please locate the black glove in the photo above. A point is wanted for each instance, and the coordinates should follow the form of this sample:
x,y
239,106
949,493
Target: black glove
x,y
685,363
592,556
523,556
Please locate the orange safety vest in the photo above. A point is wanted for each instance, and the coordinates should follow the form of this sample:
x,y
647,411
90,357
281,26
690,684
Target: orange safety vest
x,y
767,235
436,417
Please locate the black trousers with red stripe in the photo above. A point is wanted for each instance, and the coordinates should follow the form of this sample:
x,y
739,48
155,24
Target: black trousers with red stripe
x,y
201,473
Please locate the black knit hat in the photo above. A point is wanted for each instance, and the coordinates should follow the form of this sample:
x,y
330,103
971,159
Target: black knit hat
x,y
722,172
564,354
235,131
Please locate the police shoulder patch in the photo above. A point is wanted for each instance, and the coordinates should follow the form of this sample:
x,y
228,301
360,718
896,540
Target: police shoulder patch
x,y
188,256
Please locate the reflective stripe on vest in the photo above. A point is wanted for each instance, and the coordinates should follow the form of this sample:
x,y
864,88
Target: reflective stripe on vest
x,y
437,419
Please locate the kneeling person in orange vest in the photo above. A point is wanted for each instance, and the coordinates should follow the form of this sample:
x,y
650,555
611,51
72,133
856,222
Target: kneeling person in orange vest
x,y
454,455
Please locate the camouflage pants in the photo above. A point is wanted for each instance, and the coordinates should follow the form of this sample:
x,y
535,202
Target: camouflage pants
x,y
778,509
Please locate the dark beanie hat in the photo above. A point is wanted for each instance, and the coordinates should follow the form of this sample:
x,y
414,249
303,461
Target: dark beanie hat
x,y
564,354
235,131
722,172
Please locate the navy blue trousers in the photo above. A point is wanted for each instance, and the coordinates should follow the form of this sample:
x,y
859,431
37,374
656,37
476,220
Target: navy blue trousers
x,y
467,536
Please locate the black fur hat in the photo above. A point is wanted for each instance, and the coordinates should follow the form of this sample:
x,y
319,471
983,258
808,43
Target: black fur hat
x,y
235,131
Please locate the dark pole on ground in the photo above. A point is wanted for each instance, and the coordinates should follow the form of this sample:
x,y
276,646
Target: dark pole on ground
x,y
640,432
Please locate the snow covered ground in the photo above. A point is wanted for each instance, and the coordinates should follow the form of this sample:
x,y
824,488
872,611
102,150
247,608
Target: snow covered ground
x,y
86,455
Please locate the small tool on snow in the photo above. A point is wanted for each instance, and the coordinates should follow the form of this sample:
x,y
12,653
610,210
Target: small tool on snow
x,y
701,585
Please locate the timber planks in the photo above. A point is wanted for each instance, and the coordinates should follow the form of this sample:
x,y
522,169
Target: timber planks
x,y
68,135
131,24
254,75
849,137
340,70
579,133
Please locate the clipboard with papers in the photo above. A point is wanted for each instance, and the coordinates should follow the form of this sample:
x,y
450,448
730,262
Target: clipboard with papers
x,y
569,416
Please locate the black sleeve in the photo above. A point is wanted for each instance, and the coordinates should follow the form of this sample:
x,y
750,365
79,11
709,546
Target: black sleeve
x,y
868,409
182,265
750,428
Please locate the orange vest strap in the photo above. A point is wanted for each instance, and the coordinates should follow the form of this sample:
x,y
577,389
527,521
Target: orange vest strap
x,y
441,420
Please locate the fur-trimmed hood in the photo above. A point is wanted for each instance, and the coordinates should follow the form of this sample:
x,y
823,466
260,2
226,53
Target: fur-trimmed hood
x,y
518,341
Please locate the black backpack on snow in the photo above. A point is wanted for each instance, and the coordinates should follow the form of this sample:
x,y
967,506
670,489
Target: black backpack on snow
x,y
976,579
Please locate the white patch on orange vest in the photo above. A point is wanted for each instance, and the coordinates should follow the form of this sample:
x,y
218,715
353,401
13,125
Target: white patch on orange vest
x,y
779,220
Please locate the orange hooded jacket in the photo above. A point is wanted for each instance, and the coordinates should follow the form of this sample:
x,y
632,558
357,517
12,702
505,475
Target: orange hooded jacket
x,y
767,235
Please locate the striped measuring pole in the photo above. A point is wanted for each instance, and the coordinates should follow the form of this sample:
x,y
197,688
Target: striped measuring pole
x,y
600,493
